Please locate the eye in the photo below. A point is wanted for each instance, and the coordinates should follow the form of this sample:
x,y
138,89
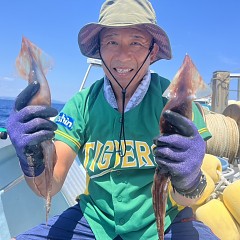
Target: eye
x,y
112,43
136,44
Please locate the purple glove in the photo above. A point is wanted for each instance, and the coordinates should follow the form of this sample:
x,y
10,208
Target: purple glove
x,y
27,127
180,154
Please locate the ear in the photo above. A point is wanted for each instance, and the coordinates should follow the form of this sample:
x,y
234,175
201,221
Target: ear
x,y
154,52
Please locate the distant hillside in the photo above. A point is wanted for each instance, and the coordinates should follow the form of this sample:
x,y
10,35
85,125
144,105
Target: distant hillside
x,y
7,98
13,98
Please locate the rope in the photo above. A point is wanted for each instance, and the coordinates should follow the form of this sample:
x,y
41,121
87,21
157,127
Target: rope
x,y
225,136
223,183
219,188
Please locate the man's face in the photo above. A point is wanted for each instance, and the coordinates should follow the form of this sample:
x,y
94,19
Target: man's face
x,y
123,50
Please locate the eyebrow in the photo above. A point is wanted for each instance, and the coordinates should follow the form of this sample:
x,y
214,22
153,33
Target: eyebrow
x,y
137,36
109,35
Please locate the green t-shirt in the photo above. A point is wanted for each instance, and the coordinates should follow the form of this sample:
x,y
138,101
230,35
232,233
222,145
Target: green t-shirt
x,y
118,198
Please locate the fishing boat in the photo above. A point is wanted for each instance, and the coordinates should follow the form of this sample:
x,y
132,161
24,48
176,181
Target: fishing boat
x,y
20,209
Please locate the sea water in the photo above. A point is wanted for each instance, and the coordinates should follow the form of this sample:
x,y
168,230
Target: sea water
x,y
6,107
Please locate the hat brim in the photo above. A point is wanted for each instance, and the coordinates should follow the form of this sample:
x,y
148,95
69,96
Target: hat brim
x,y
88,39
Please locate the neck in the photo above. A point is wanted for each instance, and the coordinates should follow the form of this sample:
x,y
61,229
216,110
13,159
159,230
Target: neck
x,y
119,97
131,90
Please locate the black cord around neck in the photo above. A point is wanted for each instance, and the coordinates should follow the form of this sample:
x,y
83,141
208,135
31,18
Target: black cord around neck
x,y
122,150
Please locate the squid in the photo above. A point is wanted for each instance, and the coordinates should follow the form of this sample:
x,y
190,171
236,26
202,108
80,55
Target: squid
x,y
32,65
186,86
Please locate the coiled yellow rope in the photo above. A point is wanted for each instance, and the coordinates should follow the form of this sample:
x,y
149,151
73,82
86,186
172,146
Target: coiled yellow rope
x,y
225,135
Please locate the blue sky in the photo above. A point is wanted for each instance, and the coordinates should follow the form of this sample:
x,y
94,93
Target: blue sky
x,y
207,30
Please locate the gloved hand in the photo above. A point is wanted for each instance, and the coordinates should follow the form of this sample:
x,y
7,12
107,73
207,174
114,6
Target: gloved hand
x,y
180,154
27,127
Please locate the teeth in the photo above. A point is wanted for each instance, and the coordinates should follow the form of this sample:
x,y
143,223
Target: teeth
x,y
123,70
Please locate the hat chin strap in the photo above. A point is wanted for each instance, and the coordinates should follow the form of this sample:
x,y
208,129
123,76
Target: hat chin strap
x,y
122,150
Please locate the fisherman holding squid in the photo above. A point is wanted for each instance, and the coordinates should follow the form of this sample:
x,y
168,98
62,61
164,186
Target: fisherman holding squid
x,y
114,130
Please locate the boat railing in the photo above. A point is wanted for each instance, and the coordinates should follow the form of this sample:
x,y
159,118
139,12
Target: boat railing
x,y
92,62
12,184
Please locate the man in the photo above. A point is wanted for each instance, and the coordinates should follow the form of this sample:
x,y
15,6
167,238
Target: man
x,y
112,127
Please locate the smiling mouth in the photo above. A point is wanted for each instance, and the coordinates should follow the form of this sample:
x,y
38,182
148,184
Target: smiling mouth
x,y
123,70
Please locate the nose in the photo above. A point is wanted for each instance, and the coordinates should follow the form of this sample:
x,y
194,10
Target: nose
x,y
123,53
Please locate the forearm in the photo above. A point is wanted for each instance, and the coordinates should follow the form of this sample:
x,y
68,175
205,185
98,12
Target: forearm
x,y
39,185
65,158
181,200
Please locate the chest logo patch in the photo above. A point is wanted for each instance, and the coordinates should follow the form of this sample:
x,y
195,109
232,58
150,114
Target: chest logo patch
x,y
65,120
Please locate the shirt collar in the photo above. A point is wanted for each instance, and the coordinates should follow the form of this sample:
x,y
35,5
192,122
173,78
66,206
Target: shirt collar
x,y
136,98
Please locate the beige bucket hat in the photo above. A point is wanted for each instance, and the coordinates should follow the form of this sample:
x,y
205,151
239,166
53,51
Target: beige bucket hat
x,y
124,13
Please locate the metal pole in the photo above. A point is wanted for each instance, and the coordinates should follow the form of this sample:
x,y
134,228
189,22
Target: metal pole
x,y
12,184
92,62
236,75
238,90
85,77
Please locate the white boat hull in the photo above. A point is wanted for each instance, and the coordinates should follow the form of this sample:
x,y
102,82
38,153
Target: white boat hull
x,y
21,208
